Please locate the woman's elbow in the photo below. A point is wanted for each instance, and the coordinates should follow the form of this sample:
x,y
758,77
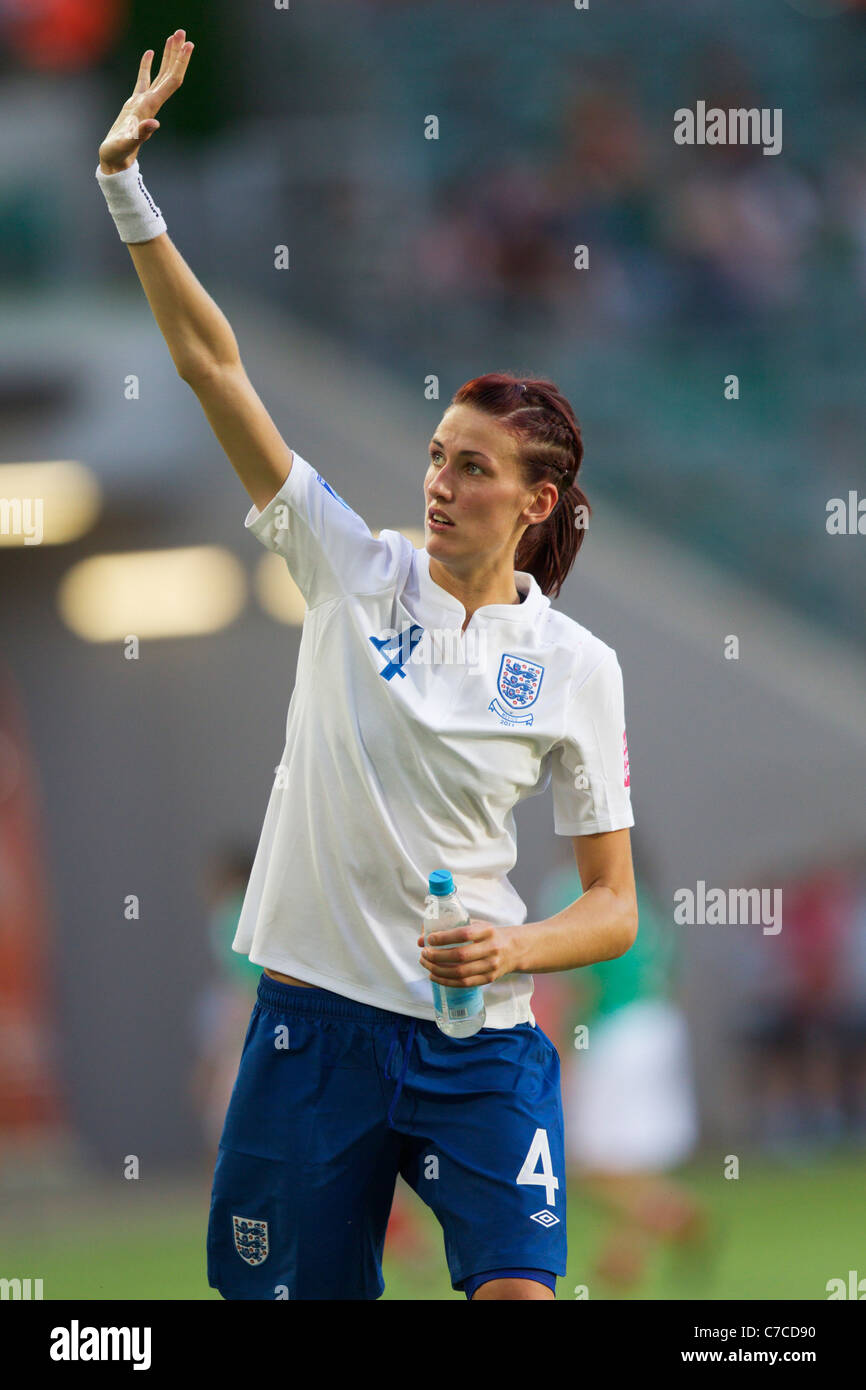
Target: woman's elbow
x,y
628,924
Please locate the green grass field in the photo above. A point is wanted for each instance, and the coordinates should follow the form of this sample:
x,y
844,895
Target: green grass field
x,y
781,1232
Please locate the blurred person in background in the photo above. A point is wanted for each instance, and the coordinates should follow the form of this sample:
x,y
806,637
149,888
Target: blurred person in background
x,y
740,228
852,1020
223,1007
605,182
818,913
802,1011
628,1091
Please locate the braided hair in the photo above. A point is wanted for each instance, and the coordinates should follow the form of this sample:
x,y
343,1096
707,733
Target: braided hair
x,y
550,448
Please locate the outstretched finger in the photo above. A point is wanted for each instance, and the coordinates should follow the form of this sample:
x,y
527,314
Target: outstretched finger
x,y
143,81
180,61
167,55
174,45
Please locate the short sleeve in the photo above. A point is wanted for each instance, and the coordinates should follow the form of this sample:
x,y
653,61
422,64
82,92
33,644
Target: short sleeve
x,y
329,549
589,766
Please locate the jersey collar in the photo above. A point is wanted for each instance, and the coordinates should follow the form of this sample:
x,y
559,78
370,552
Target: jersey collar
x,y
437,600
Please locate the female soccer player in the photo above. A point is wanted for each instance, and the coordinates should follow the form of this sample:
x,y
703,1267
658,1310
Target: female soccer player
x,y
405,752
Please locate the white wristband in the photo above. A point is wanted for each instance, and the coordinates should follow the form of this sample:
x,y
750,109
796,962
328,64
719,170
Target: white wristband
x,y
135,214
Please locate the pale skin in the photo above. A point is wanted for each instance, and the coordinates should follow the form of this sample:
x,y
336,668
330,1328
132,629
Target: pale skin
x,y
472,476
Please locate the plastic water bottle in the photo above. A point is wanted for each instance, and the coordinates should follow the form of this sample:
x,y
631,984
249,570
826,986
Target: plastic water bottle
x,y
459,1012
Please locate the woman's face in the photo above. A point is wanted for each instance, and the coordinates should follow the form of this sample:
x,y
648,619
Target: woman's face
x,y
473,479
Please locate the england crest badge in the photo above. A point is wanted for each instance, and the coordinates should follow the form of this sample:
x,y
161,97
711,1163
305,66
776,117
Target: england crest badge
x,y
518,683
251,1239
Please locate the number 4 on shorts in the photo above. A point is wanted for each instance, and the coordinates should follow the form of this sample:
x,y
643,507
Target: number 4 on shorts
x,y
546,1178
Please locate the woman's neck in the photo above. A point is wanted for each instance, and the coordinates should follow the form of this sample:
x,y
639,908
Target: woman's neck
x,y
476,591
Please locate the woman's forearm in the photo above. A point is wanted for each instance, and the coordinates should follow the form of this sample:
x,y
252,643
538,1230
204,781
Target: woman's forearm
x,y
198,334
599,925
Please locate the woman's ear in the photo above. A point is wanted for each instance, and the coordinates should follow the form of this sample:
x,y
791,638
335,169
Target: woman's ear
x,y
543,504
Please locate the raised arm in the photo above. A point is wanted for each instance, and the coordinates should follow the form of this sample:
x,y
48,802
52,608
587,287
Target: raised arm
x,y
200,339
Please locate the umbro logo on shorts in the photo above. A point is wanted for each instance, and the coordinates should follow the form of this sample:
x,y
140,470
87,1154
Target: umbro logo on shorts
x,y
545,1218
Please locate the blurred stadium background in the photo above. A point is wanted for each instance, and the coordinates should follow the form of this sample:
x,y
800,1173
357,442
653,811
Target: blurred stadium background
x,y
410,258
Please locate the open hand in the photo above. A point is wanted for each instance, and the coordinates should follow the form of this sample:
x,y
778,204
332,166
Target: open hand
x,y
136,122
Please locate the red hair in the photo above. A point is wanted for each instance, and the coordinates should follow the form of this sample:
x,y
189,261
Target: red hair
x,y
550,448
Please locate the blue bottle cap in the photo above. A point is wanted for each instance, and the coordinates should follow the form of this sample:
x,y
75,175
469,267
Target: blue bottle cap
x,y
441,882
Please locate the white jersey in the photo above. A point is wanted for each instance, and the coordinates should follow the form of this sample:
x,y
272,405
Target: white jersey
x,y
408,744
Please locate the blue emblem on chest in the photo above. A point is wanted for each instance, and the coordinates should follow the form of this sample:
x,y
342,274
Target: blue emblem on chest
x,y
398,648
518,683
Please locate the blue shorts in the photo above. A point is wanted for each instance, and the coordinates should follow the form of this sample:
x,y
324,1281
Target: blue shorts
x,y
333,1099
